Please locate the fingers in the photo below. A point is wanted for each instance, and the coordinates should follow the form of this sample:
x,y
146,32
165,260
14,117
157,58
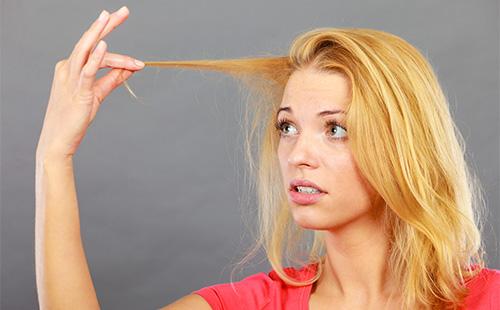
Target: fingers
x,y
83,48
84,63
110,81
115,19
99,29
112,60
89,71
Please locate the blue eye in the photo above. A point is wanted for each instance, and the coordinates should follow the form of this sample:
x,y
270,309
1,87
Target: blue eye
x,y
336,126
282,123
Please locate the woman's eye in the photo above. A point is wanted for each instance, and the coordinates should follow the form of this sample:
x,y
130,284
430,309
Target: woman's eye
x,y
285,125
339,130
333,127
279,125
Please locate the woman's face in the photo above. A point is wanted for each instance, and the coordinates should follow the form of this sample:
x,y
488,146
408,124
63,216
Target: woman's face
x,y
314,149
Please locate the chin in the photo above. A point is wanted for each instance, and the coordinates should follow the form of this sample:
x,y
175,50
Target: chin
x,y
308,217
313,218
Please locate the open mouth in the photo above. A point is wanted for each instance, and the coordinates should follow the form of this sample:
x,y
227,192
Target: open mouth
x,y
305,190
304,198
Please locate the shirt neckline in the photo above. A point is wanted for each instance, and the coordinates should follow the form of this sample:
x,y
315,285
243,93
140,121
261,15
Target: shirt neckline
x,y
305,292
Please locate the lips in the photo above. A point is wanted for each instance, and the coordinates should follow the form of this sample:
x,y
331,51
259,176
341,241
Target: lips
x,y
303,182
304,198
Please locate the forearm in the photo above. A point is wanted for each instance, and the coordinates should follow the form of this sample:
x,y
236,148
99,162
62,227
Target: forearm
x,y
62,275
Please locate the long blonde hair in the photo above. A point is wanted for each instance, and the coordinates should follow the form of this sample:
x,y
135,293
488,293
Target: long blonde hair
x,y
405,144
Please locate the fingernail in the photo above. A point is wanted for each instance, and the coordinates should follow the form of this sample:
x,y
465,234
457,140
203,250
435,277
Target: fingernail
x,y
104,15
100,45
139,63
123,10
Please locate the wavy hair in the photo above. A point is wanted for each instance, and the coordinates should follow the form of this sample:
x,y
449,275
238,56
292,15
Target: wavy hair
x,y
415,160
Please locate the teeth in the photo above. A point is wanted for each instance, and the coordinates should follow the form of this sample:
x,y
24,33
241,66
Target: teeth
x,y
306,189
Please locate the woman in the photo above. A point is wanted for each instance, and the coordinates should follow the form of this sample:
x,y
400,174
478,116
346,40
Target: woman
x,y
369,160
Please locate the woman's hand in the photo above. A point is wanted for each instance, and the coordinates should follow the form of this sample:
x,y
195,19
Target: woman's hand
x,y
76,95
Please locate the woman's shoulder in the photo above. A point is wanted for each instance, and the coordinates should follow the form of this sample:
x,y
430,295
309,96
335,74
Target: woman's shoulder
x,y
484,290
254,291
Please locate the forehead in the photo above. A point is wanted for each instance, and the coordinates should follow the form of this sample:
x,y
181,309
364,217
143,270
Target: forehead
x,y
314,88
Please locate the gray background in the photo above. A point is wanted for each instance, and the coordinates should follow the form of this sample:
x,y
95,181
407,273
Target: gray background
x,y
160,184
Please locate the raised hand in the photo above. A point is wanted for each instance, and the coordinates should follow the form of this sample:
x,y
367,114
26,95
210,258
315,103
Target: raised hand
x,y
76,95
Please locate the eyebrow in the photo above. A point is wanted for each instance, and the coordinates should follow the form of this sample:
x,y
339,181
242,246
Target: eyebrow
x,y
322,113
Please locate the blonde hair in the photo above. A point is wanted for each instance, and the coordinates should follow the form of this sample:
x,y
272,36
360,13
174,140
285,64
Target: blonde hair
x,y
405,143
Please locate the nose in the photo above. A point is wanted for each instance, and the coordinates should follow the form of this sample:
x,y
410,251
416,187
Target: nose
x,y
303,153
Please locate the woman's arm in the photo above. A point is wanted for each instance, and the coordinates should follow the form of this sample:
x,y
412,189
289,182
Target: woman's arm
x,y
62,274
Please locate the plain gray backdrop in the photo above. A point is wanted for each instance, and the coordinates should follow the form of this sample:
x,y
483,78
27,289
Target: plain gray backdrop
x,y
160,183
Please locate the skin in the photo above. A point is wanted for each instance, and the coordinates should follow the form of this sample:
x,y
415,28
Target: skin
x,y
350,281
64,281
76,94
355,275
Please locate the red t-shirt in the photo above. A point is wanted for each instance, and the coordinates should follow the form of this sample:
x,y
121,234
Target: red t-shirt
x,y
268,291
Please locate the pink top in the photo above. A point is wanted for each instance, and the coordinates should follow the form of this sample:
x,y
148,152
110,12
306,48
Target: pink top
x,y
268,291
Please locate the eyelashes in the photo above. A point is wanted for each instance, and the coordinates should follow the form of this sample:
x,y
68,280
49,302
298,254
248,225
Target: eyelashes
x,y
280,123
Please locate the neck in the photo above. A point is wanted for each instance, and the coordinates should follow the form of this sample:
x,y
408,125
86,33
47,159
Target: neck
x,y
355,267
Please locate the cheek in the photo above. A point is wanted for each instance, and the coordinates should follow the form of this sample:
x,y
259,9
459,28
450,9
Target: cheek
x,y
346,183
